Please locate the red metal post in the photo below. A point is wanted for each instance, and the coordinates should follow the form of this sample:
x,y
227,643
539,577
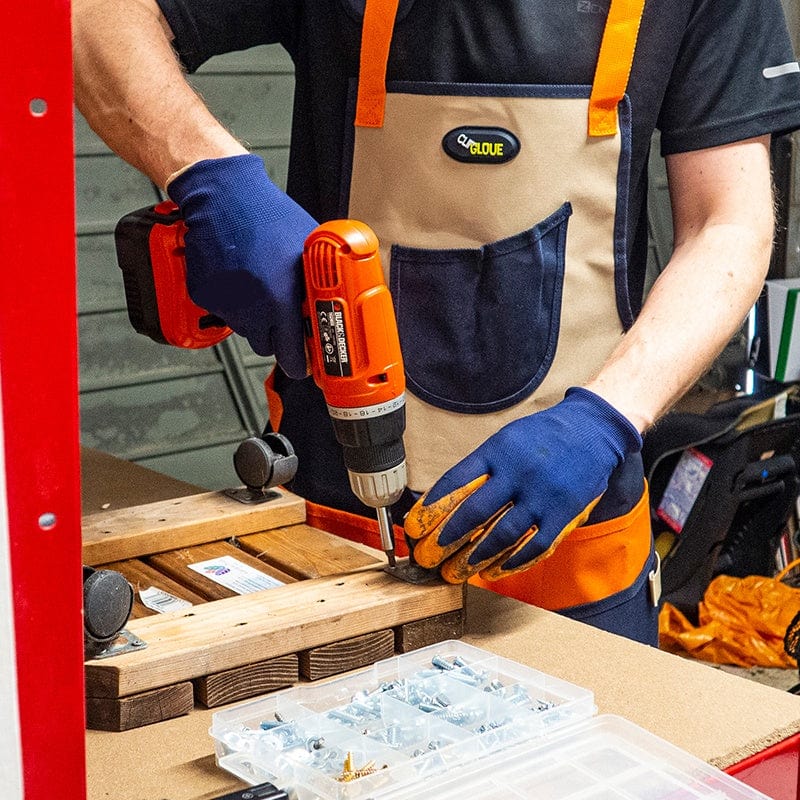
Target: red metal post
x,y
39,399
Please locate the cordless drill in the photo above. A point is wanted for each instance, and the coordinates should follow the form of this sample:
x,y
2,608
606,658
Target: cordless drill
x,y
355,356
351,336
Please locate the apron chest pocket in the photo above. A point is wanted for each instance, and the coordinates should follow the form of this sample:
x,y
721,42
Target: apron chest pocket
x,y
479,327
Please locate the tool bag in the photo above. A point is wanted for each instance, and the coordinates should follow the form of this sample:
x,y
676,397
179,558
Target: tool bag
x,y
791,643
723,485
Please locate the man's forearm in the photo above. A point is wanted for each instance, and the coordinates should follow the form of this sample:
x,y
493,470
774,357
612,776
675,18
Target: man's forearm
x,y
130,88
722,203
693,310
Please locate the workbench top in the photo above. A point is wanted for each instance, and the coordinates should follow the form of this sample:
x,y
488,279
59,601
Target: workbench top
x,y
718,717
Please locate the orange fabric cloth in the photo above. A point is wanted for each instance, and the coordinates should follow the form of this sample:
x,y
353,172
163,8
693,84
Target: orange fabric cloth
x,y
353,527
742,621
593,562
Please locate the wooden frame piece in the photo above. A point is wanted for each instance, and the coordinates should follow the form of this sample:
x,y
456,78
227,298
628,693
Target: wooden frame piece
x,y
337,609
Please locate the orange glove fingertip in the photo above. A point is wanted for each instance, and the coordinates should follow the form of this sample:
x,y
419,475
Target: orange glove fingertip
x,y
423,520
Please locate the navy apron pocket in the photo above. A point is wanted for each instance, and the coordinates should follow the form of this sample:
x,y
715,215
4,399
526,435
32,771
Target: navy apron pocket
x,y
479,327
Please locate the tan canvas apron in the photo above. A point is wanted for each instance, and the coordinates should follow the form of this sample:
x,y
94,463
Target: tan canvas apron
x,y
559,196
521,262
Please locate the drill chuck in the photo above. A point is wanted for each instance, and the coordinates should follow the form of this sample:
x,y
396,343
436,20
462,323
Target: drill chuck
x,y
379,489
372,444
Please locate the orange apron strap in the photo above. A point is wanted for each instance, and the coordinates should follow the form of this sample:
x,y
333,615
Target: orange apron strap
x,y
614,65
610,79
376,36
274,402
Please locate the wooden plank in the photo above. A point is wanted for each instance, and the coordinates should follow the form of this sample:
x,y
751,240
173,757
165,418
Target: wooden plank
x,y
123,714
229,633
359,651
248,681
119,534
142,576
176,564
306,552
424,632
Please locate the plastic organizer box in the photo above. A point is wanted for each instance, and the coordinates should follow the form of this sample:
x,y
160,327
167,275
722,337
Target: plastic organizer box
x,y
452,717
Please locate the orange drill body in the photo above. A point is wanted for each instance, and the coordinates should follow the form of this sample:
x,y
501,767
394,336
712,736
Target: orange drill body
x,y
354,348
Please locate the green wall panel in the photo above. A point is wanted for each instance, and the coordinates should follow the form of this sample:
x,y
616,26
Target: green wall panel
x,y
107,189
112,354
197,466
99,279
255,109
179,411
149,419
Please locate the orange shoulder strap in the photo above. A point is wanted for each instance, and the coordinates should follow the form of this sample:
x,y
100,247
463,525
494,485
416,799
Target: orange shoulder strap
x,y
610,79
614,65
376,36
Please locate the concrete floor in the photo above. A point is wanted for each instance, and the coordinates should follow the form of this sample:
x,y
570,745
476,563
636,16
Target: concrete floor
x,y
779,678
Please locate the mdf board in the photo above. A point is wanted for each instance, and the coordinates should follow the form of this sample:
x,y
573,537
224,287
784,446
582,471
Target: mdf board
x,y
335,608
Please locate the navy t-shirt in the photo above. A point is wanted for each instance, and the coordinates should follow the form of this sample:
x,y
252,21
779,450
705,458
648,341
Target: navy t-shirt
x,y
698,73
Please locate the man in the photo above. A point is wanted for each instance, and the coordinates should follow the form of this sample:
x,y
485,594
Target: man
x,y
499,151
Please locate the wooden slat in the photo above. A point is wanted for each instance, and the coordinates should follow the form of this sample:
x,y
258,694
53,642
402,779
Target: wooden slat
x,y
331,659
248,681
218,636
175,564
306,552
123,714
120,534
424,632
142,576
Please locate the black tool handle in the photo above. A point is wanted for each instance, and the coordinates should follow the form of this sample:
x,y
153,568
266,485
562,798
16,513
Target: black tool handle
x,y
263,791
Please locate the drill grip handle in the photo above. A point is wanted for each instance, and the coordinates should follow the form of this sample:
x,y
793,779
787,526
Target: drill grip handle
x,y
150,253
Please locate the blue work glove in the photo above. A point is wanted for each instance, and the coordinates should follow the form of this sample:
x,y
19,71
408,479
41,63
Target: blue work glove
x,y
244,246
509,503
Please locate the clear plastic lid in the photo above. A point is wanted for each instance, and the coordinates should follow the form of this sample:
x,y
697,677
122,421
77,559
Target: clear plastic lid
x,y
398,723
450,721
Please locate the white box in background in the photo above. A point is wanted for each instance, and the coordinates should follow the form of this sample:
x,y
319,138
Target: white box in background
x,y
778,330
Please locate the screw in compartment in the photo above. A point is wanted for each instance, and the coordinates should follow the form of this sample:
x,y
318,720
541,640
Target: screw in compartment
x,y
315,743
440,662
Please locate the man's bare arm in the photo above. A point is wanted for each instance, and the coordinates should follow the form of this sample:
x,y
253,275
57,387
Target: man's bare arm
x,y
130,87
723,220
